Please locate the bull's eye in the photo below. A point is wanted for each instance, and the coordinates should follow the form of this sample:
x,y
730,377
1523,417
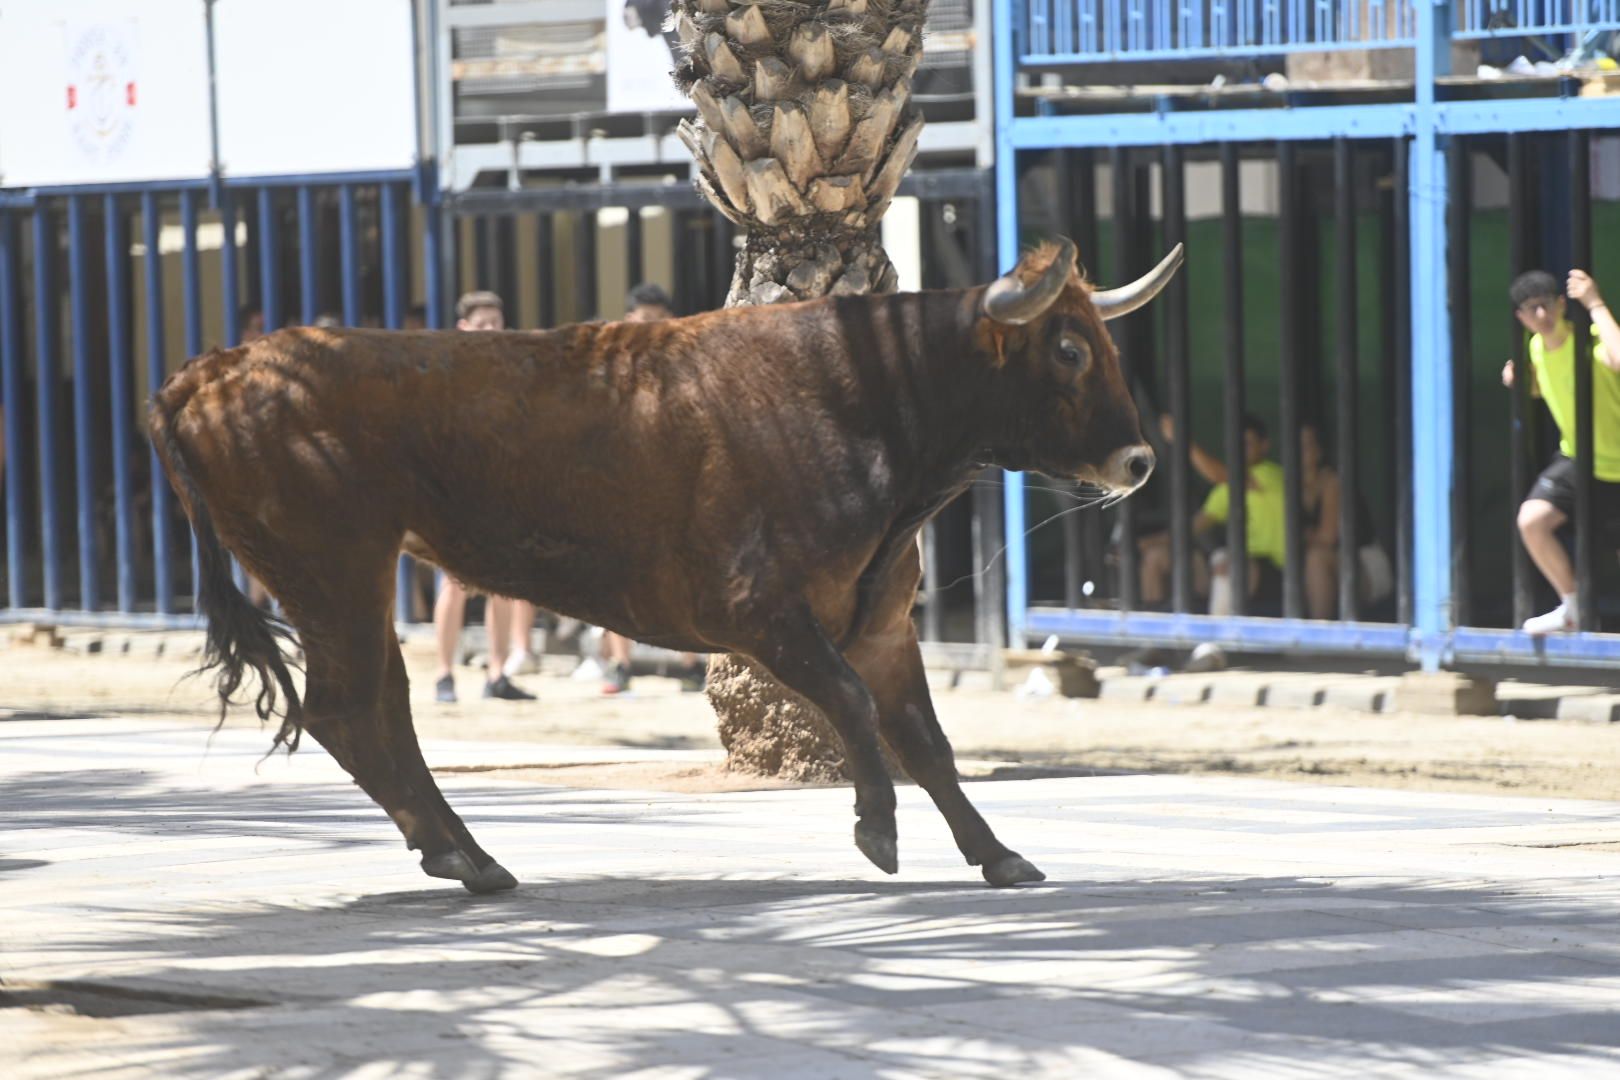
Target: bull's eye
x,y
1073,353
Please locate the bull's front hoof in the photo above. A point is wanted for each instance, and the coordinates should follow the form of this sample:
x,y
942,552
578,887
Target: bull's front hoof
x,y
457,867
879,846
1012,869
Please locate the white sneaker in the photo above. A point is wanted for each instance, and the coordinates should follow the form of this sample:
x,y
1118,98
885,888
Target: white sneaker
x,y
589,670
1560,620
520,663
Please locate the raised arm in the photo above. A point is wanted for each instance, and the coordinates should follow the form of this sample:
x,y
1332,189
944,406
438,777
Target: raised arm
x,y
1211,468
1584,291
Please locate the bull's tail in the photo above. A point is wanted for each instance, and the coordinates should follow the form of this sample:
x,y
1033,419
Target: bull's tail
x,y
240,636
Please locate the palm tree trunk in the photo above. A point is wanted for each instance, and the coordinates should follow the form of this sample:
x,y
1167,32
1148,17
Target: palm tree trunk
x,y
805,128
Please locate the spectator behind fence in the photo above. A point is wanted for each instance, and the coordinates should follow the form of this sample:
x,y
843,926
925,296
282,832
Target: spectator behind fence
x,y
476,311
1320,494
646,303
1263,503
1539,307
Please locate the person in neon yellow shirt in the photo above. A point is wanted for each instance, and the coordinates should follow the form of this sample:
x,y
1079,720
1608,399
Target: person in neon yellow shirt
x,y
1539,307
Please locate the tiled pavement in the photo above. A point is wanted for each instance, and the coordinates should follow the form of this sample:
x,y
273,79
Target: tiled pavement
x,y
1191,927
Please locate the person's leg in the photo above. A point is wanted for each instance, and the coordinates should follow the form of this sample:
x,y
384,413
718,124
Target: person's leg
x,y
1321,581
1220,584
522,646
1153,568
449,611
616,648
1539,522
498,627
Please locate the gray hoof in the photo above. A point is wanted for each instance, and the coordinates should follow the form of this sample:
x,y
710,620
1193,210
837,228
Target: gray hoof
x,y
1012,869
878,846
457,867
491,879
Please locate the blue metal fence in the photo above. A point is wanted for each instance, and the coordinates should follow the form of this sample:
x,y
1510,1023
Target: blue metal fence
x,y
118,243
1091,31
1043,33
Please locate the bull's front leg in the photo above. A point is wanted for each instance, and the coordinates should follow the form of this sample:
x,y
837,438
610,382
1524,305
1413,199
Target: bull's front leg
x,y
796,650
889,660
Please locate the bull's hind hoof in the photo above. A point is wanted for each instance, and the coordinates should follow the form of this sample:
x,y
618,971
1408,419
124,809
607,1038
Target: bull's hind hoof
x,y
457,867
878,846
1012,870
492,879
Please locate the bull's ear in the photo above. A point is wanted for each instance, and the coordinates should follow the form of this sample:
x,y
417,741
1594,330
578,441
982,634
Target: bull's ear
x,y
1009,300
1112,303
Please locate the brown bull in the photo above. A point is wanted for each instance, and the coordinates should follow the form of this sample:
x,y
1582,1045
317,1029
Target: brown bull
x,y
749,481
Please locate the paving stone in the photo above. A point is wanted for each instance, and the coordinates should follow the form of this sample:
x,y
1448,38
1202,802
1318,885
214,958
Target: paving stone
x,y
1361,695
1135,688
1294,694
1590,708
1237,689
1182,690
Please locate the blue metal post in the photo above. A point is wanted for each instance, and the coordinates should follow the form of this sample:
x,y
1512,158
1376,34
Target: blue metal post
x,y
156,370
191,281
83,440
393,319
269,260
123,396
11,390
1432,400
350,244
46,344
308,267
1007,249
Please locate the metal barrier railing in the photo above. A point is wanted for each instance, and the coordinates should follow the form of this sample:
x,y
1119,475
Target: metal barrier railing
x,y
120,252
1090,31
1521,18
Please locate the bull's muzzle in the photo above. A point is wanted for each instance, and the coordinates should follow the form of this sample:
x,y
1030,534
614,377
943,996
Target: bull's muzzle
x,y
1127,468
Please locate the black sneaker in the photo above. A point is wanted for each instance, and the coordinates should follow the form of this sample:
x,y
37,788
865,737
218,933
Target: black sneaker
x,y
694,677
445,690
503,689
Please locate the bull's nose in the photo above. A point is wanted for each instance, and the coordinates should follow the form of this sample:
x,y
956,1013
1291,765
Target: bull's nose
x,y
1139,463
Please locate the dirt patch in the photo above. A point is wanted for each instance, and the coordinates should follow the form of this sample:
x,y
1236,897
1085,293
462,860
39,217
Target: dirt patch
x,y
996,735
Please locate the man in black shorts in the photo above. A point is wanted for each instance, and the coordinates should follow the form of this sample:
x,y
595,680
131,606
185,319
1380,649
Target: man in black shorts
x,y
1538,304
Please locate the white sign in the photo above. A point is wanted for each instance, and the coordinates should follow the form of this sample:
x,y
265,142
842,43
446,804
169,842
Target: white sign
x,y
314,86
103,91
640,58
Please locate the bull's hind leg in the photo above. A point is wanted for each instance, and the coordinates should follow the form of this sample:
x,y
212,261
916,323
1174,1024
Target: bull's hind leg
x,y
465,862
800,655
355,697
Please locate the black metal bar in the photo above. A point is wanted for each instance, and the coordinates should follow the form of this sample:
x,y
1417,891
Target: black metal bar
x,y
989,548
1237,520
545,263
1404,527
1290,222
11,389
1084,169
1068,181
585,265
156,371
1347,377
1119,160
1520,215
725,257
121,379
1459,254
1580,250
83,404
1178,378
634,256
933,614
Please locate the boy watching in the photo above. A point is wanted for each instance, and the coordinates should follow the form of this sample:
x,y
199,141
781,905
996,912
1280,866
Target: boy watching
x,y
1539,307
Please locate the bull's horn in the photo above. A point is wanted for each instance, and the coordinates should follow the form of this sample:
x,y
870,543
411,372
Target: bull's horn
x,y
1112,303
1008,300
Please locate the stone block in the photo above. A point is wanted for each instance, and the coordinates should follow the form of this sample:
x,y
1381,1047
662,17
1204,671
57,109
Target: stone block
x,y
1244,691
1445,693
1590,708
1130,688
1294,694
1361,695
1182,690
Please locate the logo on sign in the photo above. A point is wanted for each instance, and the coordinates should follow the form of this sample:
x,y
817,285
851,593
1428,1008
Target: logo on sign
x,y
102,93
